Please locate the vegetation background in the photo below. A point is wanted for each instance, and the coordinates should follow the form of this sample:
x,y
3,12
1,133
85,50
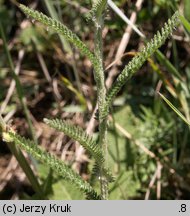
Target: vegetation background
x,y
148,143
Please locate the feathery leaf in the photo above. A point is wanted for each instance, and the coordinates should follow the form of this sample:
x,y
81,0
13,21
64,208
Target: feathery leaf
x,y
79,135
56,164
68,34
136,63
60,29
97,9
96,172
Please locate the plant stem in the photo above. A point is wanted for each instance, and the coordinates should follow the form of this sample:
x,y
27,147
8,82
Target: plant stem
x,y
103,143
101,91
16,152
26,168
18,84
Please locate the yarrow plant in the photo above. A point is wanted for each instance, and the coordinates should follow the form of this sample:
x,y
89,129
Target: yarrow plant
x,y
97,149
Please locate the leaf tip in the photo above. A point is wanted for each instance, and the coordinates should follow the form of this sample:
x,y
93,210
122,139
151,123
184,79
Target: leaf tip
x,y
46,120
22,7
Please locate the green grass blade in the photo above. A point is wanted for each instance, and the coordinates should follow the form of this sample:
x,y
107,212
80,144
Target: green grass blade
x,y
54,15
174,109
185,22
65,44
169,66
20,158
17,153
19,88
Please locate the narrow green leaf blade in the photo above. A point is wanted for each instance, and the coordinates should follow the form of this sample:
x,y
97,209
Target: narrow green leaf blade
x,y
185,23
187,9
174,109
169,66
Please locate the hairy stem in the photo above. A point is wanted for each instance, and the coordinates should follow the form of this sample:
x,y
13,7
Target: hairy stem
x,y
101,91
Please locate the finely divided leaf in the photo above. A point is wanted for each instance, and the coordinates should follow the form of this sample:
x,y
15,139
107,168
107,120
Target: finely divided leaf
x,y
79,135
56,164
136,63
60,29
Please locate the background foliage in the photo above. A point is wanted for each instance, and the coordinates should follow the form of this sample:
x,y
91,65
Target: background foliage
x,y
148,143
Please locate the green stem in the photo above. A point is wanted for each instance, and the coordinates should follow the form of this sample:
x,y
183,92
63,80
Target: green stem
x,y
17,153
103,143
101,91
18,84
26,168
116,142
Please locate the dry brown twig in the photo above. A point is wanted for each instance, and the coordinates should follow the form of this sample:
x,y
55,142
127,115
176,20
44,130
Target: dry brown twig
x,y
159,185
156,176
151,184
123,44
